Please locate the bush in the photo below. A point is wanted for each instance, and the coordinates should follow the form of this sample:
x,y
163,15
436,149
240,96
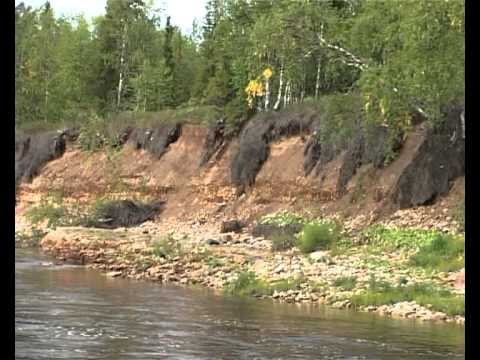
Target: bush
x,y
247,283
167,247
444,253
281,242
52,210
318,236
341,114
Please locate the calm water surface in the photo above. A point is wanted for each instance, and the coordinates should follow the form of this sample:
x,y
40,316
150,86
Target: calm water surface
x,y
71,312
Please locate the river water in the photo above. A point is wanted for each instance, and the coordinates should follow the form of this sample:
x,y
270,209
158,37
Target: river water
x,y
70,312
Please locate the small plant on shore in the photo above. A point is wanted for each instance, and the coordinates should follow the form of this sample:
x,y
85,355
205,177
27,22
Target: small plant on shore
x,y
214,262
282,218
444,253
247,283
318,236
287,284
346,282
31,238
424,294
281,242
166,247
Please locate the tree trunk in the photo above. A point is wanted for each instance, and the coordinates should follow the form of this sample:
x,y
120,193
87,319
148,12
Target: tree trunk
x,y
288,94
122,62
317,82
279,97
267,94
285,96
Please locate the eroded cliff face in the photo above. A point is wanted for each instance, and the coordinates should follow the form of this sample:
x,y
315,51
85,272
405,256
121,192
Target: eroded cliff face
x,y
276,163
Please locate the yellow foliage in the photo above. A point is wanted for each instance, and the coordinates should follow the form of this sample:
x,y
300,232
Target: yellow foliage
x,y
254,88
267,73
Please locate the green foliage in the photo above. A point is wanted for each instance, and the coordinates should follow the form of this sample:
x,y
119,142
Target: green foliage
x,y
342,116
287,284
346,282
167,247
321,235
214,262
247,283
282,242
282,218
52,210
422,293
381,238
92,134
404,55
444,253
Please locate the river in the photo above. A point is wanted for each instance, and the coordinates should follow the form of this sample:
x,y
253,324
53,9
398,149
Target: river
x,y
71,312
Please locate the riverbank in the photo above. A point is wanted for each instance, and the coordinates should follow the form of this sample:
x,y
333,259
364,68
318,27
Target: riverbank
x,y
240,263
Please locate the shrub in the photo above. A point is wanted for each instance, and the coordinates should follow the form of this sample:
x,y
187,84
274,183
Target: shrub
x,y
52,209
166,247
318,236
281,242
346,283
247,283
214,262
341,114
444,253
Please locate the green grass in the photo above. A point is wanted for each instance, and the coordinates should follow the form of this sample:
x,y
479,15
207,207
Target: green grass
x,y
380,238
51,208
318,236
423,294
167,247
347,283
247,283
444,253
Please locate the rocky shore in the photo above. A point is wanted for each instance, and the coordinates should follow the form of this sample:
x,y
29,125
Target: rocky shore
x,y
214,260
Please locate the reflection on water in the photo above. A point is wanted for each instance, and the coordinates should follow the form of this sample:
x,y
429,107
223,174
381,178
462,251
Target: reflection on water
x,y
74,313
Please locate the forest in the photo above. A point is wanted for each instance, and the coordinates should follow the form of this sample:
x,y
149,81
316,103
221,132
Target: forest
x,y
387,59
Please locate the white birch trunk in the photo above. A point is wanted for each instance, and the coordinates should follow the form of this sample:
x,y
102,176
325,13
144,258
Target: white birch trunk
x,y
288,93
285,96
279,97
317,82
267,94
122,62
